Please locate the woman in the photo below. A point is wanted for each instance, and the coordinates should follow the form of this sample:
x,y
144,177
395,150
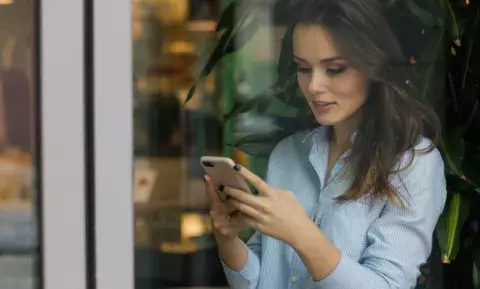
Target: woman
x,y
353,203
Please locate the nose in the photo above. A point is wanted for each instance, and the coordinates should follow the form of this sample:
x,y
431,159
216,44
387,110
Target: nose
x,y
318,82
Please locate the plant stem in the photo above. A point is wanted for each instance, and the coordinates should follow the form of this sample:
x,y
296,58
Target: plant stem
x,y
431,69
454,93
469,53
454,18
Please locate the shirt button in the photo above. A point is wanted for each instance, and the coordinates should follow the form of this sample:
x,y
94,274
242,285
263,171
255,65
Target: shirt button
x,y
294,279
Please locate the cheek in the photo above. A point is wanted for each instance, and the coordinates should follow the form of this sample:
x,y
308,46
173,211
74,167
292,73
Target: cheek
x,y
303,83
351,92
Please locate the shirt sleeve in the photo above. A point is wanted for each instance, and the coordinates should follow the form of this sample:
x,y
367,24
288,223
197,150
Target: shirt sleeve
x,y
247,277
400,240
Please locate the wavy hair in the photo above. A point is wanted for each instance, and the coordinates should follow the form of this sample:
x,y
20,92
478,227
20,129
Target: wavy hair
x,y
394,116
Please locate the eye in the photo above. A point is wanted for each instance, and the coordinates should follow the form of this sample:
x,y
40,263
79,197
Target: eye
x,y
335,70
303,70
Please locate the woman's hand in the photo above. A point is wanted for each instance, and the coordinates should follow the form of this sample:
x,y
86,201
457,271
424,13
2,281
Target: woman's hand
x,y
274,212
227,221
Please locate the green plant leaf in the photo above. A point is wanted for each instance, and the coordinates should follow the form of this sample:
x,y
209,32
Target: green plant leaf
x,y
455,183
426,17
450,225
261,144
285,61
471,165
250,15
476,267
470,106
227,18
295,124
247,105
468,56
243,36
456,37
431,76
453,149
218,53
237,33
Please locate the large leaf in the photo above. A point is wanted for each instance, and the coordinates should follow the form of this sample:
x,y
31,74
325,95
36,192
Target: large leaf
x,y
425,16
476,269
453,18
285,61
227,19
453,149
468,55
449,226
226,46
259,102
242,38
457,184
471,165
296,123
238,30
261,144
470,107
428,64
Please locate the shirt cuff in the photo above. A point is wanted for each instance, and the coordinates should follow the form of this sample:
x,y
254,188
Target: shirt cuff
x,y
247,275
343,276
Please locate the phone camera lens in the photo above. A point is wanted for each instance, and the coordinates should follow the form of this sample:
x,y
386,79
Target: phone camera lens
x,y
208,164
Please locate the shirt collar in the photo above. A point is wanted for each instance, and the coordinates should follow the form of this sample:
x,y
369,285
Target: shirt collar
x,y
319,136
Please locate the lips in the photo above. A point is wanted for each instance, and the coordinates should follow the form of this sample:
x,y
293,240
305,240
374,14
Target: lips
x,y
322,103
323,106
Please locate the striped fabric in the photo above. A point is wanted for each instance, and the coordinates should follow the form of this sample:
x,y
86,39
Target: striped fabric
x,y
382,244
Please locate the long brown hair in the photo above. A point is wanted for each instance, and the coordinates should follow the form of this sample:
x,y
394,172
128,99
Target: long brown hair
x,y
394,117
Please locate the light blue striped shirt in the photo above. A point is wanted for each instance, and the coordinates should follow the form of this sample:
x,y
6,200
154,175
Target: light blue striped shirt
x,y
382,244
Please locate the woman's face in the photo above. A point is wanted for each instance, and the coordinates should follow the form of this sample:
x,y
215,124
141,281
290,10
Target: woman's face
x,y
334,90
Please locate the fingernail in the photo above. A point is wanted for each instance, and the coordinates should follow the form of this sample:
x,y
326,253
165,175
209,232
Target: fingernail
x,y
220,188
228,198
237,167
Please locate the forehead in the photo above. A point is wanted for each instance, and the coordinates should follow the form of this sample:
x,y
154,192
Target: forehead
x,y
313,42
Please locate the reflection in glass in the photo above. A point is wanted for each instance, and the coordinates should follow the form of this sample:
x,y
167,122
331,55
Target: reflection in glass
x,y
18,213
171,46
172,224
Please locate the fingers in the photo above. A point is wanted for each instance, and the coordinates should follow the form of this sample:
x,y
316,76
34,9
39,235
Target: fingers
x,y
243,197
228,223
249,222
247,210
211,190
237,220
259,184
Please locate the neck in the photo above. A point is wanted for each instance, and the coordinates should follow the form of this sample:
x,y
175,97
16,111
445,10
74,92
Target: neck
x,y
340,135
342,132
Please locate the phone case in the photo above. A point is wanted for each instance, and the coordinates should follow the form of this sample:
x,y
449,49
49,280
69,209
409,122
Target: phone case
x,y
220,169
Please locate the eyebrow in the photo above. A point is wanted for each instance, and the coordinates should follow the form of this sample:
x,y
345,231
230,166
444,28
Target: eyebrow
x,y
325,60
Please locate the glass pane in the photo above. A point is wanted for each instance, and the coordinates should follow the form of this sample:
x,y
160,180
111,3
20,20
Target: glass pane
x,y
402,75
18,96
172,226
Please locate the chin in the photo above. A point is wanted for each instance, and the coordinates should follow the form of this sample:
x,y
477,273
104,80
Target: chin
x,y
327,121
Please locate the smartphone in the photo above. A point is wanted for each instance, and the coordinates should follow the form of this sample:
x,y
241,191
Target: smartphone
x,y
220,169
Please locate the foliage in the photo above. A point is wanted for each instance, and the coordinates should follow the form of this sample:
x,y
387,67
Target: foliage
x,y
442,40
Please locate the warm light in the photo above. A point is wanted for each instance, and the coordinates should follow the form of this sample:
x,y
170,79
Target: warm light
x,y
179,47
6,2
201,26
171,11
194,225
